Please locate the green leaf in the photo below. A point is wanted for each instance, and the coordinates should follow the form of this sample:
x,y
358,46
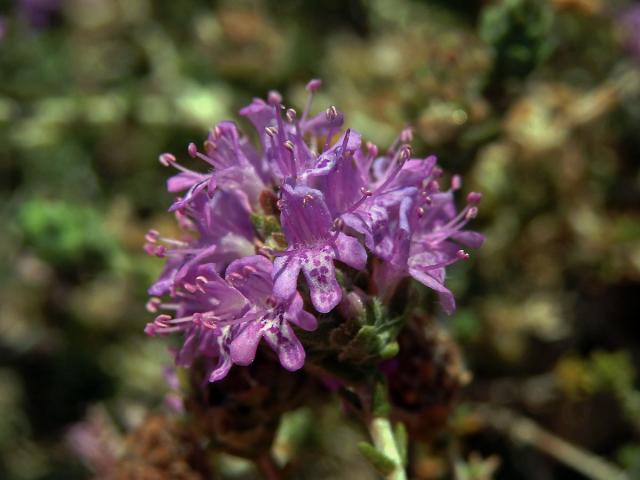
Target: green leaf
x,y
377,459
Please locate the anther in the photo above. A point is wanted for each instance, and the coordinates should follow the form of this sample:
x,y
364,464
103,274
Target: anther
x,y
456,182
166,159
153,304
314,85
372,149
271,131
289,145
274,98
151,329
331,113
474,198
306,199
189,287
235,277
406,136
193,150
162,319
248,270
291,115
462,255
405,153
152,236
471,213
365,192
433,186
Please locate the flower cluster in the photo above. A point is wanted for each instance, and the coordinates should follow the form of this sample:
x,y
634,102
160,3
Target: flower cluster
x,y
313,200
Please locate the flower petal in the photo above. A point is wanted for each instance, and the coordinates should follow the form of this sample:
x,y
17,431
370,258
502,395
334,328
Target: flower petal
x,y
286,344
350,251
296,315
285,276
244,346
305,216
320,273
446,297
183,181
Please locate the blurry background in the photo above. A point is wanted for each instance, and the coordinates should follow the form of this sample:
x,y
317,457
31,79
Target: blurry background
x,y
536,102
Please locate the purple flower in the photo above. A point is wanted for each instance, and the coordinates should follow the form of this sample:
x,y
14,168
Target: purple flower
x,y
269,318
206,311
314,244
224,320
309,200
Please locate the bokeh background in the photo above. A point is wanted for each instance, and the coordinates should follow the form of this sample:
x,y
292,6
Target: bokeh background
x,y
535,102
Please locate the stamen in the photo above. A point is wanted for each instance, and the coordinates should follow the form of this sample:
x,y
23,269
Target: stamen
x,y
331,113
166,159
192,149
471,213
307,199
462,255
152,304
474,198
406,136
152,236
288,144
271,131
456,182
372,150
274,98
159,251
235,277
405,153
162,319
313,85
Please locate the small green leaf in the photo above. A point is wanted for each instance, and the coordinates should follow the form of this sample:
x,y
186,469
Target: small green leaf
x,y
377,459
390,350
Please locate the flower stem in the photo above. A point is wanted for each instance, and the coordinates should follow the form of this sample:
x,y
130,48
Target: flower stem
x,y
382,435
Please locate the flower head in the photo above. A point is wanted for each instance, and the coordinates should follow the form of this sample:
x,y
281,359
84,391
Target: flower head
x,y
312,200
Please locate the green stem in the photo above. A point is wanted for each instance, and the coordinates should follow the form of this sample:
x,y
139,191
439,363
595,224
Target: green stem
x,y
383,439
